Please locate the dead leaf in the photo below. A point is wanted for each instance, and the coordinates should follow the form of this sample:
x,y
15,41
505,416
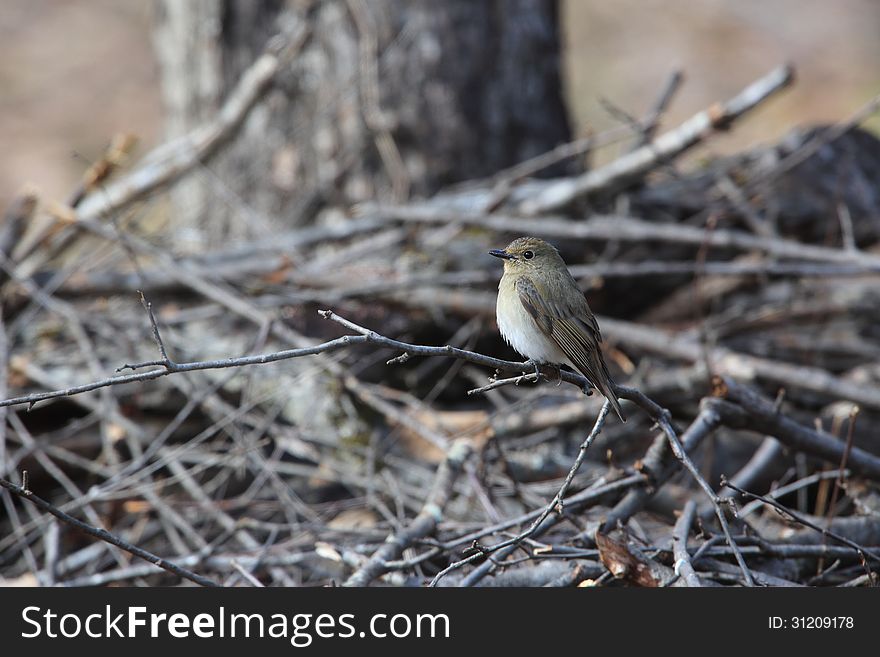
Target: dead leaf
x,y
354,519
622,563
115,432
137,506
327,551
27,580
471,424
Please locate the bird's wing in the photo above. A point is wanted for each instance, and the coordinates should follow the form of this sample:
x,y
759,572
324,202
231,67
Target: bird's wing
x,y
575,331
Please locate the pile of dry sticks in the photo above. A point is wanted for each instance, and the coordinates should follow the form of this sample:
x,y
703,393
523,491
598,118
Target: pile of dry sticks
x,y
333,405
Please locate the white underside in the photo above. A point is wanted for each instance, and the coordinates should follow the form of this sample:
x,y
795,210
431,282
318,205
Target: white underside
x,y
520,331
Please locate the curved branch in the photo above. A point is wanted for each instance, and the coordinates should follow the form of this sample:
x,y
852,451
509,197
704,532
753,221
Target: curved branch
x,y
424,523
106,536
665,147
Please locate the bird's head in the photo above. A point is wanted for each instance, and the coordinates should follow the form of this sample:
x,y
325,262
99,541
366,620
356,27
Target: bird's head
x,y
525,255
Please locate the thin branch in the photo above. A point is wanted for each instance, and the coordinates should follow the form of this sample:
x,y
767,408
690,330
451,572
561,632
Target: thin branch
x,y
740,407
620,228
172,368
685,460
424,524
410,350
806,522
556,504
782,491
840,482
148,306
683,565
105,536
651,122
667,146
498,383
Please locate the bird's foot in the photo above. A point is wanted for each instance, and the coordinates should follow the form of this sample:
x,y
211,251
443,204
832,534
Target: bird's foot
x,y
537,370
558,370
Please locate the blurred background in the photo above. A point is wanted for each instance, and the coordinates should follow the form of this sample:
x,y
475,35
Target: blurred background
x,y
379,158
74,73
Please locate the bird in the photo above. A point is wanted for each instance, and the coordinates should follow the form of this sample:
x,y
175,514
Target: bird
x,y
544,316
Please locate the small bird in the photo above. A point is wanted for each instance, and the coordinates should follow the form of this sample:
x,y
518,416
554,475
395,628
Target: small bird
x,y
543,314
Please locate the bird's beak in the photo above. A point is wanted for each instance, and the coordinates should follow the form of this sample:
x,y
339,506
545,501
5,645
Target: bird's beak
x,y
501,253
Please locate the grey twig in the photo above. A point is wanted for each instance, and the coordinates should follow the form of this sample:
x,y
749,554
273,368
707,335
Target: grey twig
x,y
424,523
105,536
556,504
685,460
740,407
806,522
663,148
683,565
148,306
172,368
497,383
651,122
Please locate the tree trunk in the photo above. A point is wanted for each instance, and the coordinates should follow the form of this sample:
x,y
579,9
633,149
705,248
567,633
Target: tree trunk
x,y
386,100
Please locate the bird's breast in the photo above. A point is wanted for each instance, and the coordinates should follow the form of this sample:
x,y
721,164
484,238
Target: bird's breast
x,y
519,329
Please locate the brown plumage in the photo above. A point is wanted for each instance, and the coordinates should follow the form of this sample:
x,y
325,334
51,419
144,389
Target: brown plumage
x,y
543,314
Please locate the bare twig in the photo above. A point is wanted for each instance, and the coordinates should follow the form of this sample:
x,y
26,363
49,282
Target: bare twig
x,y
556,504
840,482
666,146
682,456
683,566
622,228
781,491
743,408
763,459
104,535
652,121
424,523
498,383
797,517
172,368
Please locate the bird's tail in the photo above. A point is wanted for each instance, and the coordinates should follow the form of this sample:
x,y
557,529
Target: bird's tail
x,y
602,381
605,387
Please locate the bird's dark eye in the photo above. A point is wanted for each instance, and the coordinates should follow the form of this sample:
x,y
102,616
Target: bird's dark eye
x,y
528,255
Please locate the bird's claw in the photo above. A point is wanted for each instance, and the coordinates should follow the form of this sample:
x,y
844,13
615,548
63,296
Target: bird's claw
x,y
537,367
